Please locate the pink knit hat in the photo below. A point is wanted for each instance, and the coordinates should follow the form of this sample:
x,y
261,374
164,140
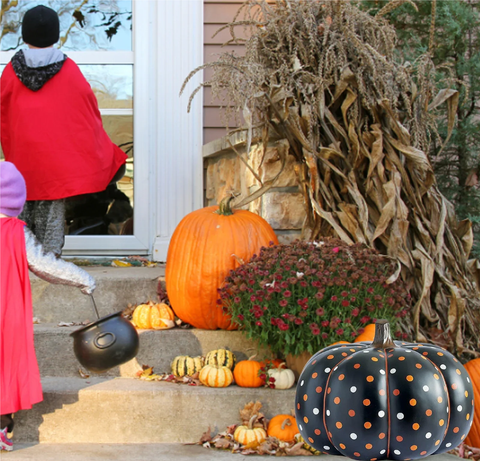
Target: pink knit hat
x,y
13,192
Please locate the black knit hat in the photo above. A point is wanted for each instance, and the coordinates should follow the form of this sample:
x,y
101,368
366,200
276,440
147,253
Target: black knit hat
x,y
41,27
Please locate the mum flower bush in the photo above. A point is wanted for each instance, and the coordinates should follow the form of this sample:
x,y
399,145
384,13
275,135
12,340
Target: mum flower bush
x,y
304,296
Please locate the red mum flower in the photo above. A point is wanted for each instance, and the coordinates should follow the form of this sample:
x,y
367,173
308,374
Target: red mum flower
x,y
345,303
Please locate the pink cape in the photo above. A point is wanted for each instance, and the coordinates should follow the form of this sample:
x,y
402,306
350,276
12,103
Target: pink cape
x,y
55,136
20,385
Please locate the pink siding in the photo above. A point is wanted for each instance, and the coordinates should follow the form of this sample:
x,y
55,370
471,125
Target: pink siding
x,y
216,14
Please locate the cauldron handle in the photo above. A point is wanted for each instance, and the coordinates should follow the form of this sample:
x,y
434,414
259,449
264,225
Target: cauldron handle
x,y
94,306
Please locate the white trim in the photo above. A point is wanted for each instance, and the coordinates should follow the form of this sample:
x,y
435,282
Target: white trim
x,y
179,168
116,111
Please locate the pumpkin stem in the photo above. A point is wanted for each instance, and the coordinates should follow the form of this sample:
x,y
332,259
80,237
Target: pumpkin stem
x,y
382,339
252,357
286,422
224,207
252,421
281,365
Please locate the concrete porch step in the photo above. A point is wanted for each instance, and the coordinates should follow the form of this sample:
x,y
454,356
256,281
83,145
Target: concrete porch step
x,y
116,410
54,349
142,452
116,288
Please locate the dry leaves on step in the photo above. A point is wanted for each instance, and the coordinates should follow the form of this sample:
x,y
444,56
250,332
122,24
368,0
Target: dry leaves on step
x,y
466,452
147,374
251,409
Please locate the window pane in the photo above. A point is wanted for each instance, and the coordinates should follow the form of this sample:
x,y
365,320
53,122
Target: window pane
x,y
84,25
112,85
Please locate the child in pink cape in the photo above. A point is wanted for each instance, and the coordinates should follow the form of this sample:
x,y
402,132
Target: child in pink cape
x,y
20,385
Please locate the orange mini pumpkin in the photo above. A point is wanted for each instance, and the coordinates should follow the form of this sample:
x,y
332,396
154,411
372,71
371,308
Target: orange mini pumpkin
x,y
283,427
246,373
367,335
204,247
153,316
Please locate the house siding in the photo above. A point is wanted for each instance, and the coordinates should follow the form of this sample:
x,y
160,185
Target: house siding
x,y
216,14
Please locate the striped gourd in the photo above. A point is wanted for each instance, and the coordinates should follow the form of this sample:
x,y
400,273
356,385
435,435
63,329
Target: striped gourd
x,y
299,438
221,358
183,365
214,376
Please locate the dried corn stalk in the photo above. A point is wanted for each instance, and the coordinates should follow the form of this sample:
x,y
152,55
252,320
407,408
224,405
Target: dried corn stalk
x,y
321,76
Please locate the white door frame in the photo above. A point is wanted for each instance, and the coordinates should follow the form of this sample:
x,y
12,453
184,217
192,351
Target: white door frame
x,y
168,171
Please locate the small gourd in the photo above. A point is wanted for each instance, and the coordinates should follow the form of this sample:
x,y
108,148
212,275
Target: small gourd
x,y
246,373
283,427
284,377
214,376
221,358
183,365
367,335
248,434
153,316
299,438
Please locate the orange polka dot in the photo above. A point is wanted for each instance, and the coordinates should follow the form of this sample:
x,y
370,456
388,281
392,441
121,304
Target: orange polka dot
x,y
413,447
440,354
356,454
342,446
374,359
305,397
401,359
356,366
305,419
318,390
351,413
456,429
458,371
368,446
423,452
311,440
468,416
439,400
298,406
336,400
381,435
317,431
341,377
367,425
418,365
414,348
330,357
396,392
381,391
339,425
441,422
428,412
413,402
399,438
463,436
344,354
466,393
437,442
370,378
436,376
329,390
314,375
410,378
415,426
454,386
425,353
366,402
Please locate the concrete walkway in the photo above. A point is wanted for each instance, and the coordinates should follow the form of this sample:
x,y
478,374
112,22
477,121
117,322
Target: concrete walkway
x,y
144,452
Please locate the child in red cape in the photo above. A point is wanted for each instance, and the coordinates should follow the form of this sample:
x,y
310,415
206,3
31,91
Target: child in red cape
x,y
51,129
20,385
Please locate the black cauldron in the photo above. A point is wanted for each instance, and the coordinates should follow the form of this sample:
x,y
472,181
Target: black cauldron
x,y
105,343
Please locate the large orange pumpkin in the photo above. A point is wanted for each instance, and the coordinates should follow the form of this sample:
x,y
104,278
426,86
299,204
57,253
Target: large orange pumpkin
x,y
473,437
205,246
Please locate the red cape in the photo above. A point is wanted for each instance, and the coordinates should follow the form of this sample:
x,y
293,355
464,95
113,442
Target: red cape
x,y
55,136
20,385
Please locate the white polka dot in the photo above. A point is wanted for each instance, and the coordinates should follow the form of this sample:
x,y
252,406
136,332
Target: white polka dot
x,y
326,447
448,444
353,389
400,415
443,366
382,372
327,370
316,411
459,408
300,427
381,413
327,412
335,369
397,452
382,452
468,379
366,351
393,371
426,388
353,436
302,383
428,435
447,409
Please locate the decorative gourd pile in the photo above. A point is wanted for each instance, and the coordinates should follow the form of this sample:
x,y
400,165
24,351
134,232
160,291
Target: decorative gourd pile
x,y
153,316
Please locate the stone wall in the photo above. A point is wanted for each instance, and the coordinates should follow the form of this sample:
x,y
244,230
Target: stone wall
x,y
226,172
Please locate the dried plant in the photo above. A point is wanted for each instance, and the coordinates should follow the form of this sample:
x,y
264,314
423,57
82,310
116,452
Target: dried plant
x,y
321,76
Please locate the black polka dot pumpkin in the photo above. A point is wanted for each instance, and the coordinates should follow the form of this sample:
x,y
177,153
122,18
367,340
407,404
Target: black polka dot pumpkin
x,y
384,400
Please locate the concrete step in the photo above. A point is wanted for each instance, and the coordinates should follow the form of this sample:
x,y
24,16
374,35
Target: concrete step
x,y
116,288
142,452
116,410
54,349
